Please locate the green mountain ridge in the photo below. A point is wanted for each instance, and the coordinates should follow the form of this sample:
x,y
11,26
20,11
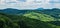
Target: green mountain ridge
x,y
27,20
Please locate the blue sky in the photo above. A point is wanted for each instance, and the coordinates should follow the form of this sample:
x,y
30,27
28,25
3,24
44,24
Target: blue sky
x,y
29,4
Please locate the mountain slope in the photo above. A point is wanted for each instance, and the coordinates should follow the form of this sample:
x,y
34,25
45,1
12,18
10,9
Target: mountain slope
x,y
6,22
53,12
23,22
39,16
50,21
27,20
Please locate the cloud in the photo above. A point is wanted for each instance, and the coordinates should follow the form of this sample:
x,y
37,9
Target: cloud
x,y
28,4
54,1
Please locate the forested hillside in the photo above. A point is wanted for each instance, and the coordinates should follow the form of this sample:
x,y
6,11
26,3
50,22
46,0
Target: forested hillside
x,y
29,19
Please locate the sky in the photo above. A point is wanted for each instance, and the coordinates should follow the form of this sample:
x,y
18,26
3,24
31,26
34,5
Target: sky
x,y
29,4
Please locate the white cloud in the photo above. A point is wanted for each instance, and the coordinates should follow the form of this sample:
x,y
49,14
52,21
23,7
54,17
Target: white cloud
x,y
29,4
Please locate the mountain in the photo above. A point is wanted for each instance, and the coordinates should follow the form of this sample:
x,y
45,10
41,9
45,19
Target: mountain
x,y
16,11
40,9
12,11
53,12
28,19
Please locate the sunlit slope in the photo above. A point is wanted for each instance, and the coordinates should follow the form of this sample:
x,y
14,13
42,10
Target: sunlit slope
x,y
43,20
39,16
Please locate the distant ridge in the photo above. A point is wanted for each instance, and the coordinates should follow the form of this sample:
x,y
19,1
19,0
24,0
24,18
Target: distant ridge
x,y
17,11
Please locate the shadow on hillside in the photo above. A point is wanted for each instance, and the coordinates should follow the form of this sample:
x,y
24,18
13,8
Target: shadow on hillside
x,y
57,23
